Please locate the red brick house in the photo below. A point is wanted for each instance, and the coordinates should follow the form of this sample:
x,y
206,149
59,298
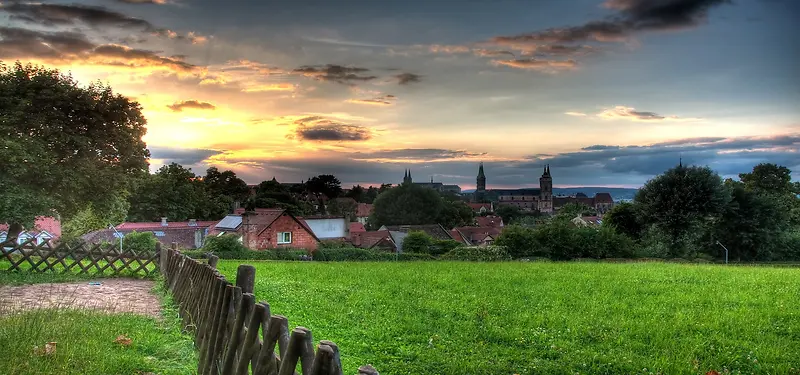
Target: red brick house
x,y
275,228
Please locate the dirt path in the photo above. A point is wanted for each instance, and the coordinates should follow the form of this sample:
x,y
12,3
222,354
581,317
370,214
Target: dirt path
x,y
112,295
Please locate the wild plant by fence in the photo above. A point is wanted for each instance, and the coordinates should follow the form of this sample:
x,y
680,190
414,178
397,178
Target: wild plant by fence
x,y
81,258
236,335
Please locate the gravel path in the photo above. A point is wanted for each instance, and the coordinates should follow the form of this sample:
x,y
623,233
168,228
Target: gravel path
x,y
112,295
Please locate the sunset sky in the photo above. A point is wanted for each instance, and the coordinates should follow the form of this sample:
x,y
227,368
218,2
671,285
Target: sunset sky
x,y
608,92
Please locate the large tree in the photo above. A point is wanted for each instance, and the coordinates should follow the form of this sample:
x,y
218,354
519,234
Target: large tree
x,y
682,202
64,146
407,204
227,184
325,184
624,218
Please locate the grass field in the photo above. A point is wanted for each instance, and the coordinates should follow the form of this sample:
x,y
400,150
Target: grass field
x,y
542,318
85,340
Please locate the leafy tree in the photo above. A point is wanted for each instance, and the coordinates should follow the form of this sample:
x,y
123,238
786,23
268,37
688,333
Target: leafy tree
x,y
509,213
407,204
63,146
624,218
680,200
417,242
176,193
571,210
456,213
357,192
519,242
325,184
91,218
343,207
226,184
229,244
769,178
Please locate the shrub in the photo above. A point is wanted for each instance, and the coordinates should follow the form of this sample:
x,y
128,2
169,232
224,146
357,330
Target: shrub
x,y
478,254
144,242
345,254
418,242
439,247
225,244
519,241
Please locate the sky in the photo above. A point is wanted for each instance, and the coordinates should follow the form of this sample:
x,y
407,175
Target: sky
x,y
607,92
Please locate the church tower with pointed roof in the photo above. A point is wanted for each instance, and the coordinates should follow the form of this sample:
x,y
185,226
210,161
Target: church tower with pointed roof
x,y
546,191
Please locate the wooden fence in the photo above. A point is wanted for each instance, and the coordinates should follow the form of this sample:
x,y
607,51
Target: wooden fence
x,y
234,334
83,258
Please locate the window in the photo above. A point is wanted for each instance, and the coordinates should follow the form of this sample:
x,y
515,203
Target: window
x,y
284,237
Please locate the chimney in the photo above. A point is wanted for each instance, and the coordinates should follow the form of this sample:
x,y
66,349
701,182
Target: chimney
x,y
192,222
163,221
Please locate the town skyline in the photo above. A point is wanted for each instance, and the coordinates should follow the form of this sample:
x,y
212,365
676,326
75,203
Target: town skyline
x,y
608,92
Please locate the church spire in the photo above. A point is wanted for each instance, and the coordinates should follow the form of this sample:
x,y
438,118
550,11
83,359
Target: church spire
x,y
480,171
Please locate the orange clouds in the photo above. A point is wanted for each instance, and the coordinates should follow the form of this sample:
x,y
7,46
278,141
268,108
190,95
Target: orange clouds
x,y
541,65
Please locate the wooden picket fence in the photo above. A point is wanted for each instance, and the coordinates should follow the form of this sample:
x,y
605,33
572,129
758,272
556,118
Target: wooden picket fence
x,y
236,335
83,258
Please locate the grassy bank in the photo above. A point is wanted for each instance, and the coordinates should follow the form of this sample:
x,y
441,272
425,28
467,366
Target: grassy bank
x,y
532,318
86,341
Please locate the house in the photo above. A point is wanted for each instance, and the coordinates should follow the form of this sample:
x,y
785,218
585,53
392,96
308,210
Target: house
x,y
601,202
328,227
363,210
481,208
230,224
276,228
49,225
587,221
187,234
489,221
379,240
38,237
356,227
477,236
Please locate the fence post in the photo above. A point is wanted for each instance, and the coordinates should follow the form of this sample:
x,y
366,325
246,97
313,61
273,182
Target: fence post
x,y
212,261
246,278
162,259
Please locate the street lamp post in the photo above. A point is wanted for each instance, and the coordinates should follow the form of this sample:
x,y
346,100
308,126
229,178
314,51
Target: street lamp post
x,y
726,251
119,235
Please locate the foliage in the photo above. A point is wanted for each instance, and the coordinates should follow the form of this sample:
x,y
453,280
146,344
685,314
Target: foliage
x,y
93,218
519,241
343,254
410,204
571,210
624,219
564,318
271,194
224,244
417,242
144,242
343,207
325,184
509,213
439,247
478,254
63,146
682,199
225,184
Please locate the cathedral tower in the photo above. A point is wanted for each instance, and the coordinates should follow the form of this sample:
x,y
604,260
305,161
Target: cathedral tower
x,y
546,191
480,186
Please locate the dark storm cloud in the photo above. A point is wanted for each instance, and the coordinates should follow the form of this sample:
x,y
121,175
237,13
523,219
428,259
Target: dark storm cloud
x,y
633,16
319,128
158,2
62,15
62,47
424,154
179,106
184,156
335,73
406,78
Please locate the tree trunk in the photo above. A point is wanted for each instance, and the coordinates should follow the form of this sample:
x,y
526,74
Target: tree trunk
x,y
13,231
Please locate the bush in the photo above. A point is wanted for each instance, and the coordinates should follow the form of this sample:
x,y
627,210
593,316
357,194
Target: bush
x,y
519,241
477,254
144,242
347,254
418,242
225,244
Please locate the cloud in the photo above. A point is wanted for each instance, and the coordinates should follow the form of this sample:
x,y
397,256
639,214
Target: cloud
x,y
63,15
63,47
378,100
93,16
439,48
194,104
488,52
579,114
184,156
269,87
629,113
541,65
320,128
335,73
406,78
416,154
633,16
158,2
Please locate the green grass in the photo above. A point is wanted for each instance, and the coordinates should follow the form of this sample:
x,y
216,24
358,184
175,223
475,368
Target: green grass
x,y
542,318
85,339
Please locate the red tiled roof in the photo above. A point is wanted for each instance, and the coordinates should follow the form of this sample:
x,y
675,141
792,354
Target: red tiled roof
x,y
603,198
156,225
489,221
363,210
42,223
367,240
347,200
476,234
357,227
478,206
